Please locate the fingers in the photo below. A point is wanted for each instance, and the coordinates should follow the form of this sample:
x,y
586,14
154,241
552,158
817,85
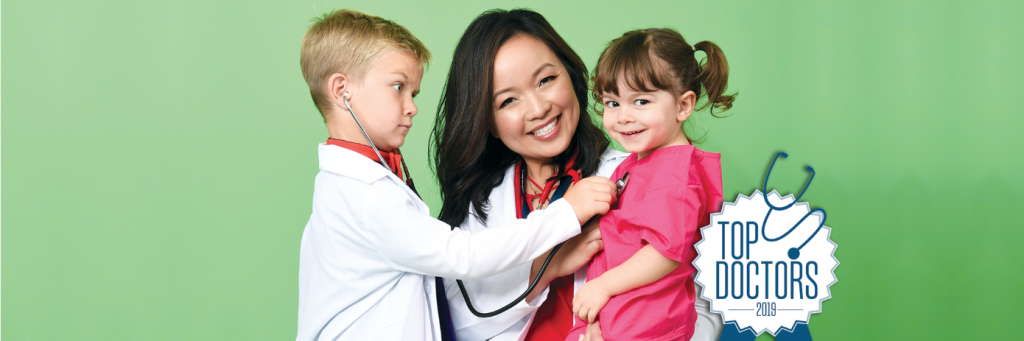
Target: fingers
x,y
594,331
591,196
593,224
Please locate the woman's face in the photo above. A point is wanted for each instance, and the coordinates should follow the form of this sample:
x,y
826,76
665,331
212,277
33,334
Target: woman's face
x,y
535,107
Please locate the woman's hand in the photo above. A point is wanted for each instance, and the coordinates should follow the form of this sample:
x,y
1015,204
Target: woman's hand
x,y
590,196
593,332
574,254
589,300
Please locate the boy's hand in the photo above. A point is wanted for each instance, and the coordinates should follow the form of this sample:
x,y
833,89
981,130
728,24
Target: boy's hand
x,y
590,196
589,300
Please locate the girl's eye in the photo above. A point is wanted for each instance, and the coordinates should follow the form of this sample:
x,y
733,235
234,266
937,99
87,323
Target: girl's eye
x,y
397,86
547,79
506,102
611,104
641,102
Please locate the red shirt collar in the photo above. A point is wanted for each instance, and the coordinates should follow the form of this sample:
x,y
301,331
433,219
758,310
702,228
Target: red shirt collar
x,y
392,159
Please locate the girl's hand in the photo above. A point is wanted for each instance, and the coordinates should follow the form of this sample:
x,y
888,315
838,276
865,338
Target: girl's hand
x,y
590,196
589,300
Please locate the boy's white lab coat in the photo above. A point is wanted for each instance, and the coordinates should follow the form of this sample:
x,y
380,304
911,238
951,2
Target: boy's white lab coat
x,y
371,250
495,291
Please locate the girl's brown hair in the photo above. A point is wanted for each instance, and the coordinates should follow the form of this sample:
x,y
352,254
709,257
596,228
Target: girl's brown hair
x,y
660,59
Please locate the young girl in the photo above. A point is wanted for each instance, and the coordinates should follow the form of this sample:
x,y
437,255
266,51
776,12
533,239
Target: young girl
x,y
641,286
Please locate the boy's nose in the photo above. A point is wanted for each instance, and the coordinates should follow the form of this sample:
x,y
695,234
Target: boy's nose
x,y
410,108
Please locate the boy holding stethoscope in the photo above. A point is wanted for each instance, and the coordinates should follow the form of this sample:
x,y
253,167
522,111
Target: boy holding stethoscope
x,y
370,251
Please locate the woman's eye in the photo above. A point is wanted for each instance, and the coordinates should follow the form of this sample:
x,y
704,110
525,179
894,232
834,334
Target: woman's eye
x,y
506,102
547,79
397,86
611,104
641,102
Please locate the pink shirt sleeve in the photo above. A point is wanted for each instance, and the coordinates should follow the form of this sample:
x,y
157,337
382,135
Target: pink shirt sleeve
x,y
669,219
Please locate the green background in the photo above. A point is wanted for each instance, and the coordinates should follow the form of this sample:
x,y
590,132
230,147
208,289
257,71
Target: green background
x,y
158,157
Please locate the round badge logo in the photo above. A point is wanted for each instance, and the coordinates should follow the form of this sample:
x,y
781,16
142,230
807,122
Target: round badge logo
x,y
766,262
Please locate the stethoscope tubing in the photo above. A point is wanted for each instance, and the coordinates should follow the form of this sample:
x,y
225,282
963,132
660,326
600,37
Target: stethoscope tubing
x,y
794,253
533,284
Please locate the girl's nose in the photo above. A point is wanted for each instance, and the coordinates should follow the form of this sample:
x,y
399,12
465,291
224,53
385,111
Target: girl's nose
x,y
626,117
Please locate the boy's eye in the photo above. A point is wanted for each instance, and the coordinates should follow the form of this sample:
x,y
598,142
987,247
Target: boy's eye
x,y
641,102
547,79
397,86
506,102
611,104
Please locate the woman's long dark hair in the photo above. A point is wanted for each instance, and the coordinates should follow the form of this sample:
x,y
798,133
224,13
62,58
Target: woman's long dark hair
x,y
468,160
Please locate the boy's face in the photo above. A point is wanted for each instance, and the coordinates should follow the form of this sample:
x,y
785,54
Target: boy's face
x,y
383,101
646,121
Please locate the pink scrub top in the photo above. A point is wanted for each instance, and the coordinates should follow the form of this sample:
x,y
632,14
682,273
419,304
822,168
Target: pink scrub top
x,y
670,195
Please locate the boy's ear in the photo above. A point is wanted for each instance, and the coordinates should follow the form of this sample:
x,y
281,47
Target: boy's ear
x,y
337,86
686,103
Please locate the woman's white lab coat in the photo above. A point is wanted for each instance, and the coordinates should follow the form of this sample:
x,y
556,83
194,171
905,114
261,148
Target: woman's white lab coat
x,y
498,290
371,250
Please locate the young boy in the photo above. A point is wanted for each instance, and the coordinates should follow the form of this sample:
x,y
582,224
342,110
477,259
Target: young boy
x,y
371,250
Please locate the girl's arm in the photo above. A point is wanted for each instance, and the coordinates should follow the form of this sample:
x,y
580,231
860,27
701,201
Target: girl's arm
x,y
643,268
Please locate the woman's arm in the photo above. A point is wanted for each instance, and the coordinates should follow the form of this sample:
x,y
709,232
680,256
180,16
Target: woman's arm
x,y
574,254
643,268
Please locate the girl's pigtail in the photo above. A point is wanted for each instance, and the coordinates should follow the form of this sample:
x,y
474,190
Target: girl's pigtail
x,y
714,76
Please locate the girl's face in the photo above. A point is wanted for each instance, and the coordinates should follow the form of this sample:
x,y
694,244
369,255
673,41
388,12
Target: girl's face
x,y
535,107
646,121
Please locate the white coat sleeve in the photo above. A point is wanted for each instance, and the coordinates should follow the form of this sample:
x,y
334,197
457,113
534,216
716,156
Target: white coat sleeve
x,y
413,241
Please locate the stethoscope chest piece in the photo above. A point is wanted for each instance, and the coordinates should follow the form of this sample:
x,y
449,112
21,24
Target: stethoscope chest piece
x,y
620,184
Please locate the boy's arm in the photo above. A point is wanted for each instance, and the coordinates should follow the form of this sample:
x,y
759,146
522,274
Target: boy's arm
x,y
413,241
643,268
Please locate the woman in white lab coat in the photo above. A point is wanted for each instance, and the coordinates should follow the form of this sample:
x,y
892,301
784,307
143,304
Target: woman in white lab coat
x,y
511,127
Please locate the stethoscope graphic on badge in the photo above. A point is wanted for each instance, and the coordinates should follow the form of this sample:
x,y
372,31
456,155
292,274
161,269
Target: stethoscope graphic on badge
x,y
794,252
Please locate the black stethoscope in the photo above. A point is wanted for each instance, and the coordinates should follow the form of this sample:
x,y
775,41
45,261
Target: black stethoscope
x,y
525,206
793,253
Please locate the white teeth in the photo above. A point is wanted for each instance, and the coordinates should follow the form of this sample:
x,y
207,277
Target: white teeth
x,y
546,129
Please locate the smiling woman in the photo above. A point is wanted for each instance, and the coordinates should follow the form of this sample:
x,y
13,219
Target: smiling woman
x,y
535,111
511,132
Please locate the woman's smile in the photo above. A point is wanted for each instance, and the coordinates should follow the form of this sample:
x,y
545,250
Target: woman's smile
x,y
547,131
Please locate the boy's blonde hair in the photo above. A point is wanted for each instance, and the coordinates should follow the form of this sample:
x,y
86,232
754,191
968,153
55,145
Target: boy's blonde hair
x,y
348,42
